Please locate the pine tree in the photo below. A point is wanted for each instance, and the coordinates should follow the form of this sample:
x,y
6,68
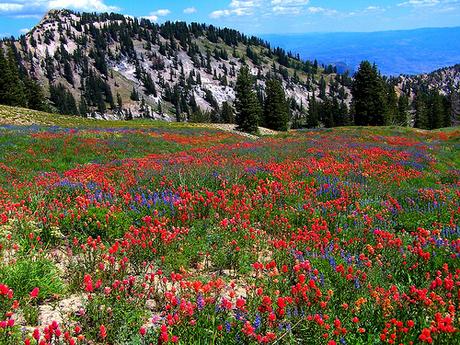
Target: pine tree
x,y
436,110
13,92
83,107
68,73
403,111
313,115
421,112
276,109
228,115
134,95
391,106
369,96
3,78
119,101
448,111
248,110
35,97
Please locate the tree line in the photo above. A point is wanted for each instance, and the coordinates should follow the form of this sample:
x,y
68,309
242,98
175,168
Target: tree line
x,y
375,102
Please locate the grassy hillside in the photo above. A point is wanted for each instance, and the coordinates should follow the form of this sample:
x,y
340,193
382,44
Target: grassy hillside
x,y
142,232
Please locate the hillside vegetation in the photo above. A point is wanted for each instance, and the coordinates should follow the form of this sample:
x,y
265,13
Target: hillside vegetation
x,y
139,232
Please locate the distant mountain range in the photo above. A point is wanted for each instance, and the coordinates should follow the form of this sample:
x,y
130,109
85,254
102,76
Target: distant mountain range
x,y
395,52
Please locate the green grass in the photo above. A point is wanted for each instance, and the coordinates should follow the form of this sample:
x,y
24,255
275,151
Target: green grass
x,y
26,274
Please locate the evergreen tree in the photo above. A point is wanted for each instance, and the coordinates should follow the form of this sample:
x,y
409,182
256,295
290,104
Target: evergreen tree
x,y
119,101
160,108
369,96
134,95
403,111
68,73
276,109
248,110
344,113
83,107
436,110
63,100
421,112
35,97
391,114
448,111
313,115
228,115
12,91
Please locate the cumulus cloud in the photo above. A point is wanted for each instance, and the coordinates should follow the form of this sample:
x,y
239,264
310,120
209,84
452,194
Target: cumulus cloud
x,y
238,8
85,5
10,7
290,2
287,9
34,8
420,3
24,31
155,15
190,10
322,10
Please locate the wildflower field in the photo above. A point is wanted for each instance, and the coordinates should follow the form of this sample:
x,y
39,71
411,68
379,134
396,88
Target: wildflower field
x,y
160,235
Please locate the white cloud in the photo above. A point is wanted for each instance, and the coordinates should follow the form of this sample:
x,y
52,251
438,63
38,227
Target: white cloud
x,y
237,8
226,13
36,8
155,15
420,3
322,10
287,10
85,5
161,13
24,31
190,10
290,2
243,4
10,7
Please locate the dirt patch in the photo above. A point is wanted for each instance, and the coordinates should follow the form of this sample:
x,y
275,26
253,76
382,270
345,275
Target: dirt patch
x,y
232,128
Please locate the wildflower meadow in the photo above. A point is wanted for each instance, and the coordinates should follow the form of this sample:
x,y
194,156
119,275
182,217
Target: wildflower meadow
x,y
187,235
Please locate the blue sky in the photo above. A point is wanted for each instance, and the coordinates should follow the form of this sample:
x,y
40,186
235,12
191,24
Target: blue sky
x,y
254,16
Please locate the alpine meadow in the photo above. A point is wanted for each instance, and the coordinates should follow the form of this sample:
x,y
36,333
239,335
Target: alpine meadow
x,y
167,176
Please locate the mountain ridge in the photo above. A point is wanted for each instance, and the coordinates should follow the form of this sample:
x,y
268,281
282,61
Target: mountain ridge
x,y
66,48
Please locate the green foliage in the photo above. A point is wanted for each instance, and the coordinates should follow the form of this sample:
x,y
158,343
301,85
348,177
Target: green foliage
x,y
121,317
276,109
16,88
28,273
369,96
63,100
403,111
248,109
432,110
228,115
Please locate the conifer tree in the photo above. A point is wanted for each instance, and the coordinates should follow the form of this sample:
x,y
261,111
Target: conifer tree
x,y
248,109
369,96
13,92
276,109
228,115
119,101
35,97
134,95
436,110
421,112
403,110
83,107
313,115
391,106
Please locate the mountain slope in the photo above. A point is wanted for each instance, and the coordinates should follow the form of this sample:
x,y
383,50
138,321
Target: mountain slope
x,y
122,67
